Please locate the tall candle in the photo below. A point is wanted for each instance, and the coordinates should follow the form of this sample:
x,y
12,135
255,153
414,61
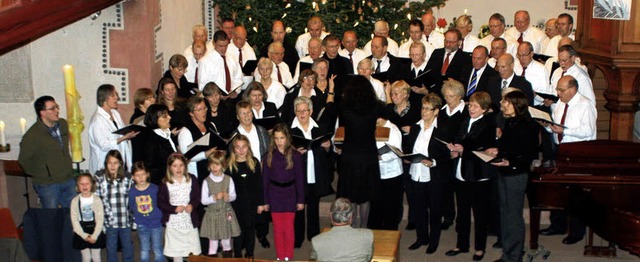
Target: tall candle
x,y
23,126
3,140
74,114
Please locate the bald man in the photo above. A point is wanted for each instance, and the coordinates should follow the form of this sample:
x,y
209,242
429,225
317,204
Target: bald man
x,y
507,78
278,34
435,38
550,31
315,29
351,50
381,28
523,31
239,49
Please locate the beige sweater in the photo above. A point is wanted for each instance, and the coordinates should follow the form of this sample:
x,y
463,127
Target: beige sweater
x,y
98,216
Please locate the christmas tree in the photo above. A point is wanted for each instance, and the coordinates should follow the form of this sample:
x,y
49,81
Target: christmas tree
x,y
338,15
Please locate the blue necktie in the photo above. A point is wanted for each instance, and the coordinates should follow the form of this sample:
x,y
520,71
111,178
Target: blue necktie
x,y
473,84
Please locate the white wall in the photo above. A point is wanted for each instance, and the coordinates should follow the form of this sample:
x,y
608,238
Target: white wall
x,y
174,34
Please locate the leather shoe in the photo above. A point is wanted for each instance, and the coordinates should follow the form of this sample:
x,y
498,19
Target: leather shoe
x,y
264,242
478,257
452,252
497,245
551,232
410,226
431,249
416,245
570,240
445,225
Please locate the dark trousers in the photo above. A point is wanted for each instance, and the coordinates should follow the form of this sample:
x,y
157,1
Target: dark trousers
x,y
246,239
448,203
386,208
476,196
512,192
312,211
426,205
262,224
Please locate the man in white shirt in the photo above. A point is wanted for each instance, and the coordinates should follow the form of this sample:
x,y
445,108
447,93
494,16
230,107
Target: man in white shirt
x,y
351,50
315,51
550,31
227,26
564,25
382,60
498,48
436,39
199,33
280,70
465,26
215,67
579,115
567,58
381,28
523,31
198,51
496,28
534,72
239,49
315,29
416,36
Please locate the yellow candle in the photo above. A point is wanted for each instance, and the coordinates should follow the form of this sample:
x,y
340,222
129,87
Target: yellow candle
x,y
23,125
3,140
74,114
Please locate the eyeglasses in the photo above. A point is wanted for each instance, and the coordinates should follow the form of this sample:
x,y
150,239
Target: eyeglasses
x,y
302,111
428,109
53,108
523,55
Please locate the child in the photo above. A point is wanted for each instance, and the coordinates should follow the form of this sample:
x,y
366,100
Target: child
x,y
113,188
219,219
178,197
244,169
87,219
283,184
143,204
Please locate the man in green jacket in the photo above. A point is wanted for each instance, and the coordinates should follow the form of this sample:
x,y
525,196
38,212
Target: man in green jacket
x,y
44,154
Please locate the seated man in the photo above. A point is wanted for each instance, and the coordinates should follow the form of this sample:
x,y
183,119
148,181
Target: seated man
x,y
342,243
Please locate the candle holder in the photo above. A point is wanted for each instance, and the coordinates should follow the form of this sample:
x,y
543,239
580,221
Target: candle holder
x,y
5,148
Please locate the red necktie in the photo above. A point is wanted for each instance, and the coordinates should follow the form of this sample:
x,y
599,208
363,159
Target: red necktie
x,y
443,71
196,81
523,69
462,45
227,75
351,57
520,38
564,115
279,75
240,56
563,73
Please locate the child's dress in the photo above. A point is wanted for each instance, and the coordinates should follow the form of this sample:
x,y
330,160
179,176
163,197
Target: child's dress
x,y
220,220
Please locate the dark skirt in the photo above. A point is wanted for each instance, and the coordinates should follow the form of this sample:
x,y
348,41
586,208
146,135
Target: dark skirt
x,y
359,176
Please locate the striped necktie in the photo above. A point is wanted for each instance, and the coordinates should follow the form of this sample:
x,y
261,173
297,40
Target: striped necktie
x,y
473,83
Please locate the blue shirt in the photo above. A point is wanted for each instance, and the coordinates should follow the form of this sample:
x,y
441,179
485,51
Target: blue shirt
x,y
144,206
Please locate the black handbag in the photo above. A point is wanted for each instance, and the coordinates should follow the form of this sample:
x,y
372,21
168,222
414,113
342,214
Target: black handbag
x,y
88,227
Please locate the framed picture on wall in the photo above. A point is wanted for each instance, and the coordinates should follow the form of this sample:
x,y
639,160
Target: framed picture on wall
x,y
571,4
612,9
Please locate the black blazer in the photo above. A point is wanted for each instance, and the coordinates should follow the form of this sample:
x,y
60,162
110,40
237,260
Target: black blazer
x,y
263,138
457,66
483,83
481,136
437,150
225,121
185,90
408,119
156,152
395,65
339,65
495,89
431,80
323,165
270,109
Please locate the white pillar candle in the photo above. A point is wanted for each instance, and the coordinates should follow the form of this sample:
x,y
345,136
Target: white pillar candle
x,y
23,126
3,140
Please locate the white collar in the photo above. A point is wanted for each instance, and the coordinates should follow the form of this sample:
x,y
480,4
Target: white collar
x,y
296,124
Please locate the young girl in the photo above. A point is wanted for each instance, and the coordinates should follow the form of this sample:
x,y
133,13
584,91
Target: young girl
x,y
219,219
178,198
113,184
143,204
283,184
87,219
244,169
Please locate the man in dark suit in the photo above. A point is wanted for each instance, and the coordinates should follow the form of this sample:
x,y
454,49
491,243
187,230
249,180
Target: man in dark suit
x,y
338,65
507,79
477,77
385,65
450,61
278,34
